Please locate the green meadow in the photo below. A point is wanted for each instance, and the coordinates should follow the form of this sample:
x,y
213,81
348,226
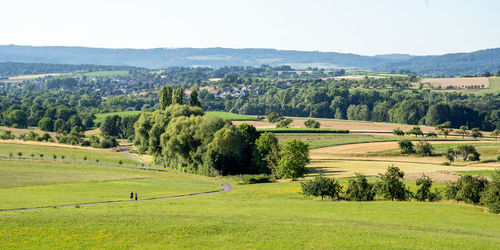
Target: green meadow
x,y
272,215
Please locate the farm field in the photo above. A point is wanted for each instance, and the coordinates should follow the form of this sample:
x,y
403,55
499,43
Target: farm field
x,y
459,82
353,126
272,215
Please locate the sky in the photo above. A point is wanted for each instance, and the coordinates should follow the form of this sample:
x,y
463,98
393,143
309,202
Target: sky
x,y
418,27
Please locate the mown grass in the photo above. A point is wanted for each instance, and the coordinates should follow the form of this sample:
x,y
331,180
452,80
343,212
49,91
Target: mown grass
x,y
259,216
230,116
69,153
25,184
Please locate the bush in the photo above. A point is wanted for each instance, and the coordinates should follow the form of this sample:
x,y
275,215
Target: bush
x,y
491,196
391,187
284,123
424,193
431,134
359,189
424,148
468,189
312,124
252,179
322,186
406,147
398,132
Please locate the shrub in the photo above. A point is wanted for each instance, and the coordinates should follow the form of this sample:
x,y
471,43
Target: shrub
x,y
474,133
424,148
491,196
312,123
424,193
468,189
252,179
273,117
322,186
390,185
120,162
284,123
359,189
406,147
431,134
398,132
19,154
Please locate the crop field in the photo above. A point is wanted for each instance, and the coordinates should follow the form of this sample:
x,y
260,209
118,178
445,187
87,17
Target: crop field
x,y
459,82
353,126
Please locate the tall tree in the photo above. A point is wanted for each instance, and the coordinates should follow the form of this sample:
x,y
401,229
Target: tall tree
x,y
294,158
178,95
193,99
165,97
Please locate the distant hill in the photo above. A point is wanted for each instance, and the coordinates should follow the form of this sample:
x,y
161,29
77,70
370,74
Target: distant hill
x,y
15,68
449,64
163,57
444,65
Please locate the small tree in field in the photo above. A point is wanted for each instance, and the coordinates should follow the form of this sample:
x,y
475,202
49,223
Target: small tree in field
x,y
322,186
54,156
424,148
391,187
450,155
474,133
491,196
359,189
294,158
415,131
19,154
495,133
463,131
424,193
406,147
312,124
398,132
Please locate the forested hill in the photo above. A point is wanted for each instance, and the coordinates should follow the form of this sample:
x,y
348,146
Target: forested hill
x,y
444,65
15,68
162,57
450,64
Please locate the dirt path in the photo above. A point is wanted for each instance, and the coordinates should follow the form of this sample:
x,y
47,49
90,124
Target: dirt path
x,y
226,187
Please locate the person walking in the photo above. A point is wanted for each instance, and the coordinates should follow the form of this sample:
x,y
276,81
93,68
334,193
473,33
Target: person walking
x,y
135,196
131,195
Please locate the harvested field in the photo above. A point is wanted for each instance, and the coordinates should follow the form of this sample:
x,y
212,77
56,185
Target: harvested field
x,y
343,168
50,144
361,148
352,126
459,82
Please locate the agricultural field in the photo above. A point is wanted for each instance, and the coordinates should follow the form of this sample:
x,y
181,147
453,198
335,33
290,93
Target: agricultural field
x,y
459,82
353,126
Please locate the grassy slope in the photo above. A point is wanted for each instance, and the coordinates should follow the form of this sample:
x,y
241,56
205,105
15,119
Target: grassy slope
x,y
254,216
92,155
32,184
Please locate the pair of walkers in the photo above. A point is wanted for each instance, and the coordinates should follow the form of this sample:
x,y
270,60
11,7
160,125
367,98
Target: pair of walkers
x,y
132,196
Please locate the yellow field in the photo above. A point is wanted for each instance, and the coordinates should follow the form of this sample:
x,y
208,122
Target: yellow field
x,y
459,82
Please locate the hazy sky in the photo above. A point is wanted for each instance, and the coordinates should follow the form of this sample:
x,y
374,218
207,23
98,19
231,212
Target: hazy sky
x,y
355,26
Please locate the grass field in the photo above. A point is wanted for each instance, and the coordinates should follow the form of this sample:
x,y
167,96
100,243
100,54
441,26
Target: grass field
x,y
272,215
230,116
221,114
48,152
33,183
488,173
107,73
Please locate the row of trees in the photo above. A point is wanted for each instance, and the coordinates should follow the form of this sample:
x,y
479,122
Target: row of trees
x,y
181,137
475,190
